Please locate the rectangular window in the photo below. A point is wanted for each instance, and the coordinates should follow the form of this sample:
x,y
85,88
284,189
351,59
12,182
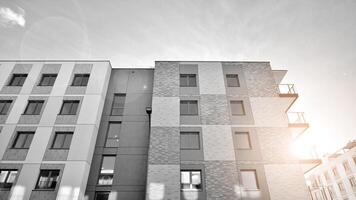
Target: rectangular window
x,y
352,181
189,140
7,178
341,186
80,80
232,80
188,80
190,180
243,140
107,170
102,195
5,106
69,107
346,166
62,140
18,79
331,191
237,108
249,179
118,104
188,107
34,107
112,138
335,172
47,179
48,79
23,140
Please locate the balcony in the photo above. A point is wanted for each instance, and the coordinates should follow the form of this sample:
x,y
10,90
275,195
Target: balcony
x,y
297,123
289,93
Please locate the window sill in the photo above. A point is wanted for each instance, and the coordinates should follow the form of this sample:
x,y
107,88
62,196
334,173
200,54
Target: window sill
x,y
191,190
44,85
78,85
58,148
67,114
20,148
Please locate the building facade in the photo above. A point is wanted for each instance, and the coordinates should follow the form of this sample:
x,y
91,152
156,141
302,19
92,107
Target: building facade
x,y
83,130
335,177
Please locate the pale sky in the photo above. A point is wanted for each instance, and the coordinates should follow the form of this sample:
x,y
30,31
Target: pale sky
x,y
314,40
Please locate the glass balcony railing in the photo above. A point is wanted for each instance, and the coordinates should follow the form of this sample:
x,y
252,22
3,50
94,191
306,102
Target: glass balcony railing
x,y
287,89
296,118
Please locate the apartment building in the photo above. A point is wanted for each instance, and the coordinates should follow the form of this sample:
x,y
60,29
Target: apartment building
x,y
84,130
335,177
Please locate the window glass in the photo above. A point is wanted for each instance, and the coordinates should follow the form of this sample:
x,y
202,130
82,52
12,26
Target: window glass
x,y
7,178
118,104
232,80
189,140
80,80
62,140
48,79
188,80
190,179
237,108
18,79
341,186
23,140
47,179
188,107
346,166
112,139
243,140
5,106
3,176
352,181
102,195
335,172
107,170
69,107
249,179
34,107
12,176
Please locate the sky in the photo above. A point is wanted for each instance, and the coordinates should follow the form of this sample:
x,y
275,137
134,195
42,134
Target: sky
x,y
315,40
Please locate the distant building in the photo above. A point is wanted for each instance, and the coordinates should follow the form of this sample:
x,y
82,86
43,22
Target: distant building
x,y
75,130
335,177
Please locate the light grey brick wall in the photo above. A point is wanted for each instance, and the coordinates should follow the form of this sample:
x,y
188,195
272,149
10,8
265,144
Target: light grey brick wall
x,y
211,79
166,79
214,109
165,111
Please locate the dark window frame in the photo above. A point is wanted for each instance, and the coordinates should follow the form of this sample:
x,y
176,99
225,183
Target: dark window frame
x,y
84,79
2,109
52,79
189,103
66,133
50,172
190,177
71,107
19,82
233,76
101,192
6,184
118,95
27,133
248,137
242,106
37,102
106,174
188,78
256,178
191,133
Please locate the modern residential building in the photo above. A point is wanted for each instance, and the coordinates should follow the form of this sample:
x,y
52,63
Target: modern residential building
x,y
335,177
183,130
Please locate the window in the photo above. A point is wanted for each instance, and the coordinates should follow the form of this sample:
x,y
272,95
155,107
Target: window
x,y
7,178
249,179
80,80
352,181
346,166
326,175
62,140
34,107
112,138
188,80
69,107
18,79
341,187
189,140
331,191
232,80
190,180
102,195
118,104
48,79
23,140
188,107
237,108
335,172
5,106
107,170
48,179
243,140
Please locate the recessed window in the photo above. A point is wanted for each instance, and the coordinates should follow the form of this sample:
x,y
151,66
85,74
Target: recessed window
x,y
331,191
189,140
5,106
190,180
232,80
7,178
352,181
249,179
188,80
69,107
341,187
112,138
346,166
118,104
237,108
107,170
188,107
47,179
62,140
23,140
48,79
18,79
243,140
102,195
34,107
80,80
335,172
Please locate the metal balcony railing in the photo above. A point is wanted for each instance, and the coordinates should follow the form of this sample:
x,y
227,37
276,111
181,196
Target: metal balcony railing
x,y
296,118
287,89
